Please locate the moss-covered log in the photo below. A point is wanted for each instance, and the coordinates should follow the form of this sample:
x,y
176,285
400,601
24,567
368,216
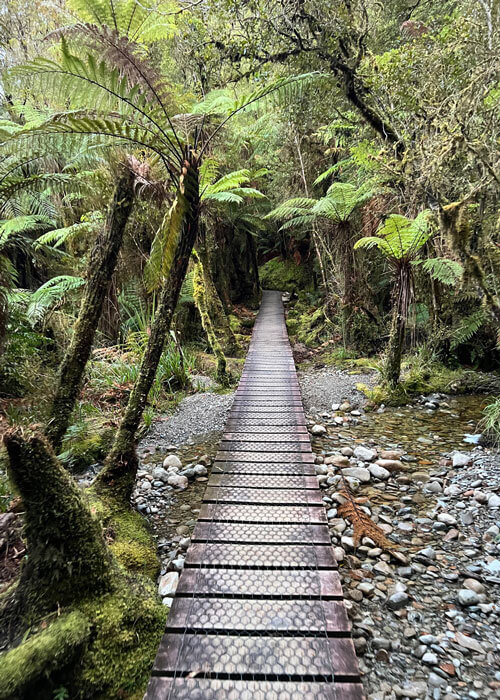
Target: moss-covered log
x,y
202,304
68,559
100,271
121,465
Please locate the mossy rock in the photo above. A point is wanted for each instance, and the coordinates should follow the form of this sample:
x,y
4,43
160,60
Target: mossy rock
x,y
285,276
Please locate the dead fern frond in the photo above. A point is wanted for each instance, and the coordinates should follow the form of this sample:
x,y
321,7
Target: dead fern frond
x,y
362,523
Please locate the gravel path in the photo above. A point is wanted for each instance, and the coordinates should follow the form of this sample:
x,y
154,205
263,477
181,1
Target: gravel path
x,y
196,416
322,387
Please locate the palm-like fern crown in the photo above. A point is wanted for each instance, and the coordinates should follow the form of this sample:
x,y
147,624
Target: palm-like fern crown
x,y
338,205
399,238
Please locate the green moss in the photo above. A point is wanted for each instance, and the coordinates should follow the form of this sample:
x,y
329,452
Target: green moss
x,y
285,276
127,627
103,650
27,665
421,379
80,453
128,535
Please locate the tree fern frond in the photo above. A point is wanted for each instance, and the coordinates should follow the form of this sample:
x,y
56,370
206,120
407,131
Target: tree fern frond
x,y
129,18
467,328
60,236
229,197
402,237
292,207
443,270
165,242
229,181
298,221
53,292
22,224
330,171
209,170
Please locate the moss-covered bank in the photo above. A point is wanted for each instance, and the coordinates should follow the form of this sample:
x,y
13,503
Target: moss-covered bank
x,y
285,276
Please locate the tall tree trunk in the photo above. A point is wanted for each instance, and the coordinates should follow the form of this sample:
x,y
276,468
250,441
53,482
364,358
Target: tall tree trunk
x,y
110,321
68,559
348,275
203,305
392,368
101,266
217,315
401,303
255,264
121,464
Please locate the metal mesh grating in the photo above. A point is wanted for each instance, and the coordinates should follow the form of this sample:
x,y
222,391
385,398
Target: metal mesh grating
x,y
258,613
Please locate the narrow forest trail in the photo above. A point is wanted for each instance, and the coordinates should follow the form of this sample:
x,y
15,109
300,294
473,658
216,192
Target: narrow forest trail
x,y
259,612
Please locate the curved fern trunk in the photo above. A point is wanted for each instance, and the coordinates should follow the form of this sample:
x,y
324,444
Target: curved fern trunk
x,y
103,259
203,305
121,464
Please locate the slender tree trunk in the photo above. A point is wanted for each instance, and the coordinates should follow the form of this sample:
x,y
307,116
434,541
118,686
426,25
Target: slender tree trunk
x,y
68,559
402,294
347,257
101,266
394,348
255,264
203,306
217,315
121,464
110,321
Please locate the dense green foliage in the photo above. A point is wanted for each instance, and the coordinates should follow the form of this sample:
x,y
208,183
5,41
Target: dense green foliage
x,y
160,165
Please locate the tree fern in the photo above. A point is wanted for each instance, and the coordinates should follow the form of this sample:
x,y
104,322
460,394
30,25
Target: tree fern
x,y
52,293
398,237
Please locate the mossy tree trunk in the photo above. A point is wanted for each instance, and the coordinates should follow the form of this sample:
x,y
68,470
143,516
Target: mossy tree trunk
x,y
101,266
455,224
214,307
120,467
401,301
348,276
67,556
202,304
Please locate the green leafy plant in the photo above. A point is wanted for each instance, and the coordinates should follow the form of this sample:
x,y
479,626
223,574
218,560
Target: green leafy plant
x,y
399,239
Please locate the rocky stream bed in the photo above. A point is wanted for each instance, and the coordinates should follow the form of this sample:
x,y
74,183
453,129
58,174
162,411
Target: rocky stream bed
x,y
425,613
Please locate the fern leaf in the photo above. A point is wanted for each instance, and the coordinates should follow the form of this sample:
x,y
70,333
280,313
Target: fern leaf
x,y
165,242
467,328
443,270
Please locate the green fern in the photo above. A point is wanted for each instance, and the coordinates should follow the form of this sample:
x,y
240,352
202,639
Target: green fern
x,y
58,237
340,202
443,270
467,328
398,237
51,294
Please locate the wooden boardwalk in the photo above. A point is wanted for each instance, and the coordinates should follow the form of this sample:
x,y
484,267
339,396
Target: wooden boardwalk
x,y
258,613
